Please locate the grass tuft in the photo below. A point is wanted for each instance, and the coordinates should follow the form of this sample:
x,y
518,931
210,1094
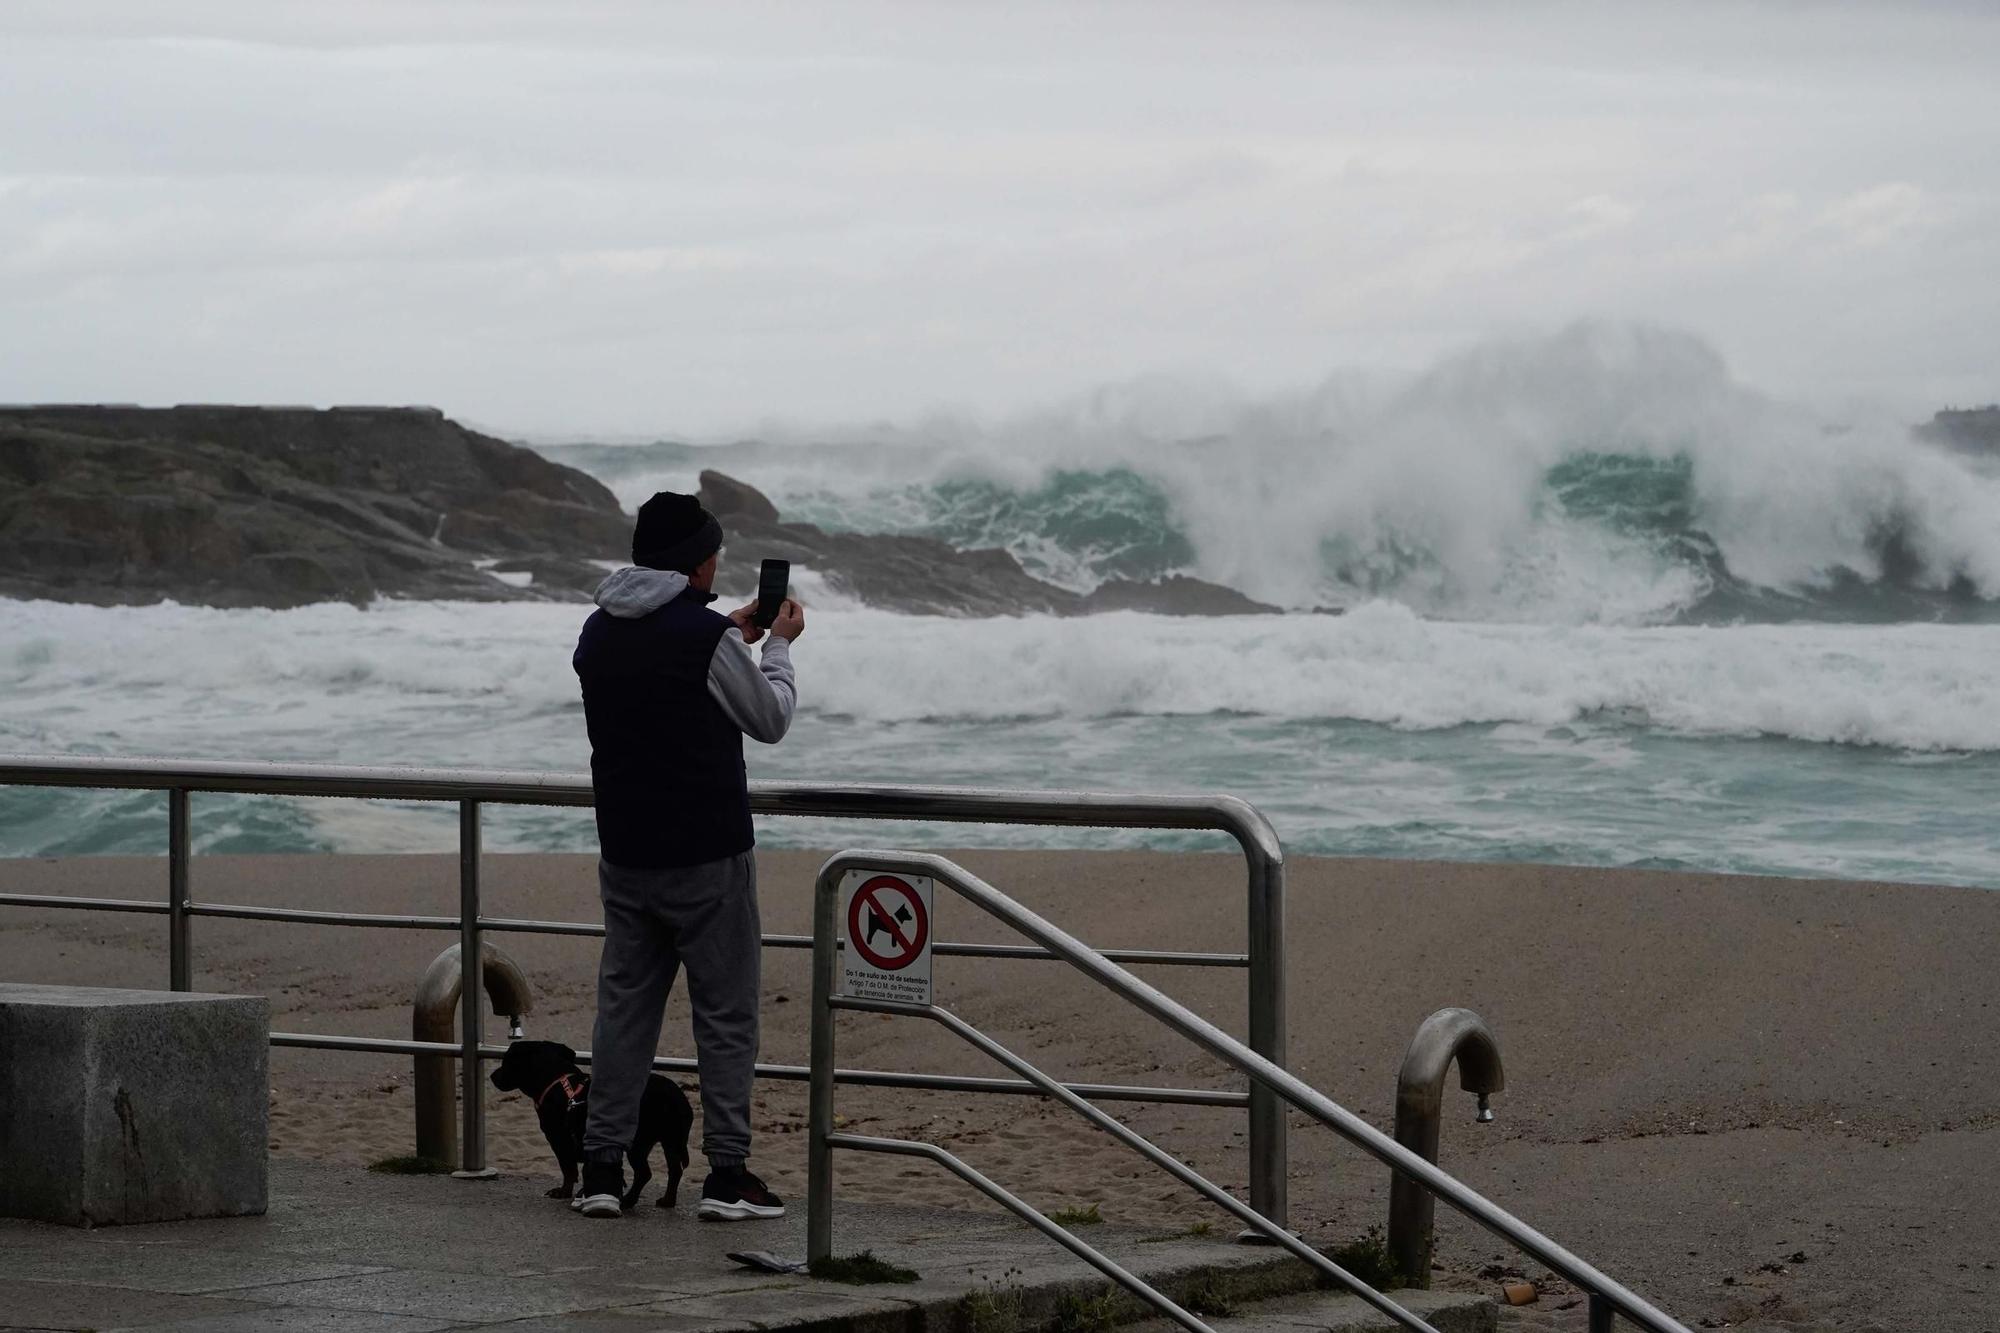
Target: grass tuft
x,y
992,1310
1087,1314
1198,1229
1077,1217
859,1270
1368,1258
1208,1299
411,1166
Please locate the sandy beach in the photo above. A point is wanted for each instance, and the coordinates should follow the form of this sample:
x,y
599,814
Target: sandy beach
x,y
1763,1103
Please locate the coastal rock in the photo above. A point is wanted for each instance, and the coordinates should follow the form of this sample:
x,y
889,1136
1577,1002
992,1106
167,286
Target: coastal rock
x,y
283,506
727,497
249,506
1175,595
1974,430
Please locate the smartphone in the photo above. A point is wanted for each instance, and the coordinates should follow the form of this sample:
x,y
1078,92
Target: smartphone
x,y
774,580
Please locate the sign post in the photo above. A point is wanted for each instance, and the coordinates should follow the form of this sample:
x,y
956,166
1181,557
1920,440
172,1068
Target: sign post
x,y
888,924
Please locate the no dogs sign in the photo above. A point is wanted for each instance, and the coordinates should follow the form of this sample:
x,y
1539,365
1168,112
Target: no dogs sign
x,y
888,921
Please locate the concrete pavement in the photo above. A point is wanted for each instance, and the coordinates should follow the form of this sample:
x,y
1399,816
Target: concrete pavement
x,y
344,1250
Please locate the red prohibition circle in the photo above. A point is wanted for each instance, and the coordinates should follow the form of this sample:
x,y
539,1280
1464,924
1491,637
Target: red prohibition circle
x,y
909,943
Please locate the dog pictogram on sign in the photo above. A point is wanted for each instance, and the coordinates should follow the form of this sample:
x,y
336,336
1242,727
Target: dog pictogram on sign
x,y
888,919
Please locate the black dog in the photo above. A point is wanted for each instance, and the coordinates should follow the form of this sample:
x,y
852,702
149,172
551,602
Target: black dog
x,y
547,1072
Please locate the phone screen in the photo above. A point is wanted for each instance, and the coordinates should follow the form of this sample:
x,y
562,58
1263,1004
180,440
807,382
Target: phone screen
x,y
774,580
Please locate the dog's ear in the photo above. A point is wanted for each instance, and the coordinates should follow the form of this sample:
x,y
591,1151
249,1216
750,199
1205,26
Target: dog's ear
x,y
567,1053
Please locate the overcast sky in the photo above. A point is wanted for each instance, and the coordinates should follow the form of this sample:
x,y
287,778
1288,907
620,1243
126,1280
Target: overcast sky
x,y
567,220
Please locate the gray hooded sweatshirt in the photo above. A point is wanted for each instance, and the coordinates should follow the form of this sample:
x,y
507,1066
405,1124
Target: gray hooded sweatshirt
x,y
757,696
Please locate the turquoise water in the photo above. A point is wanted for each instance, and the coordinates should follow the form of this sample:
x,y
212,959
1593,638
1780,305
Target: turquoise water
x,y
1854,751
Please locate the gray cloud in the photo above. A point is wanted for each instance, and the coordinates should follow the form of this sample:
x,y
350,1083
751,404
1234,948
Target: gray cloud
x,y
634,217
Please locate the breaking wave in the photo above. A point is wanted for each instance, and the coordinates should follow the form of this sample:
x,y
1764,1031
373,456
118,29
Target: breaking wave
x,y
1857,750
398,683
1607,474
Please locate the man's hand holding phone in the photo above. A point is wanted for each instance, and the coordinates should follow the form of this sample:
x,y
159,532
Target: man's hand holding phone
x,y
745,619
772,610
791,621
789,624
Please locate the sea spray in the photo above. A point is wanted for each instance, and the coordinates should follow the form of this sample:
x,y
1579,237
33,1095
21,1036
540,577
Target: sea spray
x,y
1606,474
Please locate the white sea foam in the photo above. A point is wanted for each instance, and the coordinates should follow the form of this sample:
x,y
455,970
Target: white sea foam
x,y
816,594
1588,744
1914,687
491,683
1432,491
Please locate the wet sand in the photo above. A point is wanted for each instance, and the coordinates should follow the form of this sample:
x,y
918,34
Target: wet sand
x,y
1708,1076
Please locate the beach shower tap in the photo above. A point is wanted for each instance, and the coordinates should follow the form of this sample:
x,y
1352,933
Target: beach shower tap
x,y
433,1017
1446,1036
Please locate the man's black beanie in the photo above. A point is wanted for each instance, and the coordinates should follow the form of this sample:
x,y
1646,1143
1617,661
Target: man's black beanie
x,y
674,532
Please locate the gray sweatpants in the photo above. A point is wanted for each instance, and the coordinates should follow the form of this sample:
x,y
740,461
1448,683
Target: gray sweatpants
x,y
702,917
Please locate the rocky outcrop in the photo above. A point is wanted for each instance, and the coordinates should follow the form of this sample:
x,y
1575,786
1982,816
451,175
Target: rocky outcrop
x,y
1975,429
728,498
281,506
925,576
1175,595
259,506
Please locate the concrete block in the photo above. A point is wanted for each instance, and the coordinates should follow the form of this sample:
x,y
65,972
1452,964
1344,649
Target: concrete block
x,y
121,1106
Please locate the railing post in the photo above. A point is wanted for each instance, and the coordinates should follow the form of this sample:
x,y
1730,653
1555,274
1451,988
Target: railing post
x,y
1601,1313
1268,1154
472,1100
180,964
819,1110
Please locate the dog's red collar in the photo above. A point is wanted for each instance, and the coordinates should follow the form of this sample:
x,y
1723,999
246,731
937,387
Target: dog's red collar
x,y
571,1085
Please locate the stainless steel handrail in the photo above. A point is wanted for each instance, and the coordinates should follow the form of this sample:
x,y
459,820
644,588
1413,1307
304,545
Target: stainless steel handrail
x,y
1030,1214
860,1078
964,805
1138,1143
1264,955
590,929
1606,1296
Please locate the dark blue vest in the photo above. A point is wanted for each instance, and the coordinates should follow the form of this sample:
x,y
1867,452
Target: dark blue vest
x,y
665,760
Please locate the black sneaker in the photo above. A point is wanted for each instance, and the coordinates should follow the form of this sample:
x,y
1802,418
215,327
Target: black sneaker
x,y
734,1195
603,1183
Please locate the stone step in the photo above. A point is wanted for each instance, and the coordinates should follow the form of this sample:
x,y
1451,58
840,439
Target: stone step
x,y
1340,1312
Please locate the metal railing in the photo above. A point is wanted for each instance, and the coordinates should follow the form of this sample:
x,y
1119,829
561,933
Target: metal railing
x,y
1263,956
1606,1297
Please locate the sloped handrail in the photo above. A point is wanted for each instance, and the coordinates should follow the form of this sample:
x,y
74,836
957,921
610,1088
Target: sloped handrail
x,y
1606,1295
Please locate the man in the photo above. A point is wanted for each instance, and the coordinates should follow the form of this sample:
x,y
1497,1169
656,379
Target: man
x,y
669,692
